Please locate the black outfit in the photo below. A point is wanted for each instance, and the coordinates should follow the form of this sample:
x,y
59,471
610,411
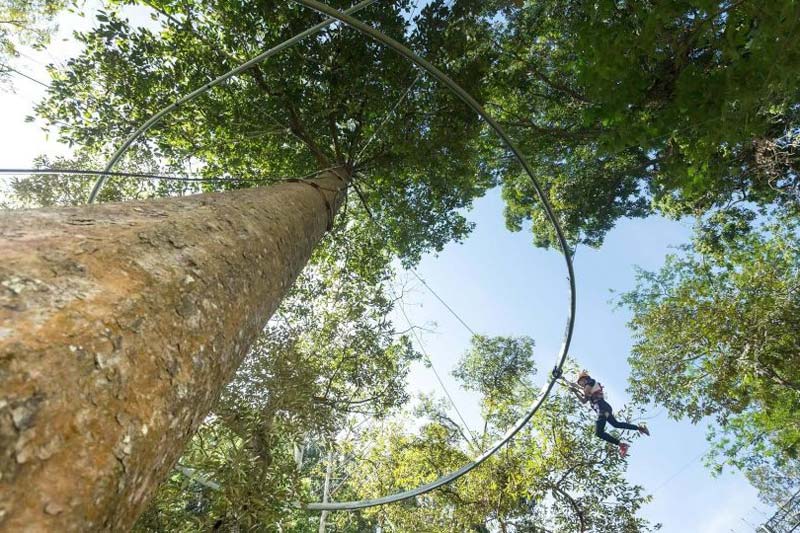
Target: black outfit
x,y
606,414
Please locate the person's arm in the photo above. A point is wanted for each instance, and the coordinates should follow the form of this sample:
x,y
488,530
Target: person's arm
x,y
581,395
577,391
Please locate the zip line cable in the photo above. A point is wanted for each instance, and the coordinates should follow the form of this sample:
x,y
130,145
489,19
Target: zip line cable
x,y
679,471
383,122
413,271
436,372
9,68
441,300
411,326
388,116
698,457
135,175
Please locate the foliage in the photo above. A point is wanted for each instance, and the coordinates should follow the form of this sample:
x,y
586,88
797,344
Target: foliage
x,y
631,108
554,475
46,190
493,367
716,335
317,105
329,354
25,22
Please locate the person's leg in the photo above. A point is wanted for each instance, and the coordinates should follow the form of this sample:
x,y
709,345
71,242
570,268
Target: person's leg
x,y
600,429
621,425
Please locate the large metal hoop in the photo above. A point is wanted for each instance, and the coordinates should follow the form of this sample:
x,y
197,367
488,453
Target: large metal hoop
x,y
345,18
562,241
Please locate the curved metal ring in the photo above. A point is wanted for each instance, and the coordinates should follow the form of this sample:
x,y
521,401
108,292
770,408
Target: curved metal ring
x,y
156,118
562,241
466,98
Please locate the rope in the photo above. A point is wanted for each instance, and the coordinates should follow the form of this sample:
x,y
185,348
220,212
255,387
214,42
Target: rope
x,y
134,175
319,189
679,472
411,327
697,458
387,117
450,309
413,271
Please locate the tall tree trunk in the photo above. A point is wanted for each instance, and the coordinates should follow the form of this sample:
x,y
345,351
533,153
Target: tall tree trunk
x,y
119,325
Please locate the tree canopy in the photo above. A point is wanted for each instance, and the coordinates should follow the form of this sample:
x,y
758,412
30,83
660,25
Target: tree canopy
x,y
633,108
716,336
25,23
335,99
554,476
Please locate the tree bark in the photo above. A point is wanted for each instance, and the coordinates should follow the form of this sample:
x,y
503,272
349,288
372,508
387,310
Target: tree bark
x,y
119,326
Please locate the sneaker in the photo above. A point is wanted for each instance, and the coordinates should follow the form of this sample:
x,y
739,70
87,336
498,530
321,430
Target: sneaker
x,y
623,449
643,429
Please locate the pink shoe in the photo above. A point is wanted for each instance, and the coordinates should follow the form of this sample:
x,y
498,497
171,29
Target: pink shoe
x,y
623,449
643,429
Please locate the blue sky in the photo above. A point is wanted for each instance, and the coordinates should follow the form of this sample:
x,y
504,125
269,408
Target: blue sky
x,y
501,285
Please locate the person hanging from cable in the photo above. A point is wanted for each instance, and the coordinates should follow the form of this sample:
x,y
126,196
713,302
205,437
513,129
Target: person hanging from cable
x,y
590,390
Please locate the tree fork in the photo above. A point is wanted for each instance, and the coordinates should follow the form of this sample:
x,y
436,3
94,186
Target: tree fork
x,y
120,324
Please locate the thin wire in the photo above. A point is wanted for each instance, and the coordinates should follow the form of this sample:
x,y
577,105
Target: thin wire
x,y
411,326
679,471
452,312
387,117
435,372
695,459
12,69
652,416
383,123
31,58
135,175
